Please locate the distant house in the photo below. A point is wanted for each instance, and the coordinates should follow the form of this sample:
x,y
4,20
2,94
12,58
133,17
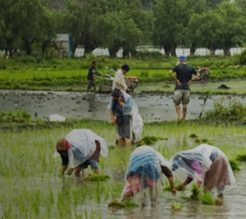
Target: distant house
x,y
63,44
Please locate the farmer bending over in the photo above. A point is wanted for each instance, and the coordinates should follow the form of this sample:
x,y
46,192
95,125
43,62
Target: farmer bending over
x,y
144,171
79,149
208,166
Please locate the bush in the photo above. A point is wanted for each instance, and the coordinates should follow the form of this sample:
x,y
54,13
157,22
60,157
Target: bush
x,y
242,58
233,112
149,54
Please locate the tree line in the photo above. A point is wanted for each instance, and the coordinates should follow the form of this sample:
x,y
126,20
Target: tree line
x,y
32,25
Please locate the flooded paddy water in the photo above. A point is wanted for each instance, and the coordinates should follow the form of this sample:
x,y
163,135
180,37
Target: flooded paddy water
x,y
29,175
153,107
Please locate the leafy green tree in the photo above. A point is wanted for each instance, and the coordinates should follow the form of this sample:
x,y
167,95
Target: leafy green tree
x,y
214,3
123,24
206,30
234,26
9,27
170,21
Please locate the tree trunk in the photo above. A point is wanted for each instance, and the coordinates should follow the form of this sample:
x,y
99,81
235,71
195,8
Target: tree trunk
x,y
167,49
173,50
227,52
212,52
192,49
89,47
126,53
113,51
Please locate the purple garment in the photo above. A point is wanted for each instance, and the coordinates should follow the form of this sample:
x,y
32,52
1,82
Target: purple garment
x,y
196,166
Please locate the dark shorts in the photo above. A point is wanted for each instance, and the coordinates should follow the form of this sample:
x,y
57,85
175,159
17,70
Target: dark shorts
x,y
91,84
181,96
124,126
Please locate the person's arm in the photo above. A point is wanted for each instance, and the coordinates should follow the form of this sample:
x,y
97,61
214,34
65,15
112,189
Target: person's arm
x,y
64,168
94,165
65,161
186,182
195,76
168,174
174,76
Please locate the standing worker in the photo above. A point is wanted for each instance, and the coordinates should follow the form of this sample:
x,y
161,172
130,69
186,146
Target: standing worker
x,y
91,76
119,80
121,112
183,75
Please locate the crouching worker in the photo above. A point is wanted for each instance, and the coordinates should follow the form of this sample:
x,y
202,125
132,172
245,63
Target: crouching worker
x,y
208,166
121,113
79,149
144,170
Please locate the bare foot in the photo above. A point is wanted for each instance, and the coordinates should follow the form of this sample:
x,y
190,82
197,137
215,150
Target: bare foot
x,y
219,200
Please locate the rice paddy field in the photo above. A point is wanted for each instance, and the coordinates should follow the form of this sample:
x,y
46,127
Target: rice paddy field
x,y
31,186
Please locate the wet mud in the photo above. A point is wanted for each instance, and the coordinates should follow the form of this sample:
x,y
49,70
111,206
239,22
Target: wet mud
x,y
153,107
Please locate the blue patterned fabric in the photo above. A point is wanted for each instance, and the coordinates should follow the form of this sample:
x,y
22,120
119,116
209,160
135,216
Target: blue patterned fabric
x,y
145,163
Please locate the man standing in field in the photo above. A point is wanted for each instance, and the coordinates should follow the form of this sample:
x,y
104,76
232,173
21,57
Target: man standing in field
x,y
183,75
119,78
91,76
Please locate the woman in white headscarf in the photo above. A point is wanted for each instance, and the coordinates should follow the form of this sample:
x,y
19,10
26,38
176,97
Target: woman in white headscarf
x,y
79,149
207,165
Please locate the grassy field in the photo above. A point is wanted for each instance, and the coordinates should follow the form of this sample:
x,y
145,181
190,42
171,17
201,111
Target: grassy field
x,y
70,74
30,181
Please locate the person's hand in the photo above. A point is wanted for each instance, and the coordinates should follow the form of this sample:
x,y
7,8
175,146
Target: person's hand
x,y
173,191
178,82
180,187
69,171
199,183
113,119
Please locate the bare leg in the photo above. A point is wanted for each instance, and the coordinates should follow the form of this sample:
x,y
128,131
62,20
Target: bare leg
x,y
153,195
219,199
77,171
128,142
184,111
143,199
178,110
121,142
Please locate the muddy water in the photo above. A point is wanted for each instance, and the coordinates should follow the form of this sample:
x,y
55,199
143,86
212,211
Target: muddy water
x,y
233,207
153,107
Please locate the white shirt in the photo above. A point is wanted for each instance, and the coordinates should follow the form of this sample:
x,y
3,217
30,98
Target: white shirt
x,y
119,81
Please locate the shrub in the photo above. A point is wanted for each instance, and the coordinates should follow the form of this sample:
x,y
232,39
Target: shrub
x,y
233,112
242,58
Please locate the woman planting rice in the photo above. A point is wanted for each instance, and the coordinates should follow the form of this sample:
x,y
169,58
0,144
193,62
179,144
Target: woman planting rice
x,y
144,170
206,164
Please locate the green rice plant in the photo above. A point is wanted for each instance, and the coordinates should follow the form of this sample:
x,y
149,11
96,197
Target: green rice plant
x,y
241,157
28,175
149,140
122,204
207,198
196,192
96,177
193,135
234,165
175,205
